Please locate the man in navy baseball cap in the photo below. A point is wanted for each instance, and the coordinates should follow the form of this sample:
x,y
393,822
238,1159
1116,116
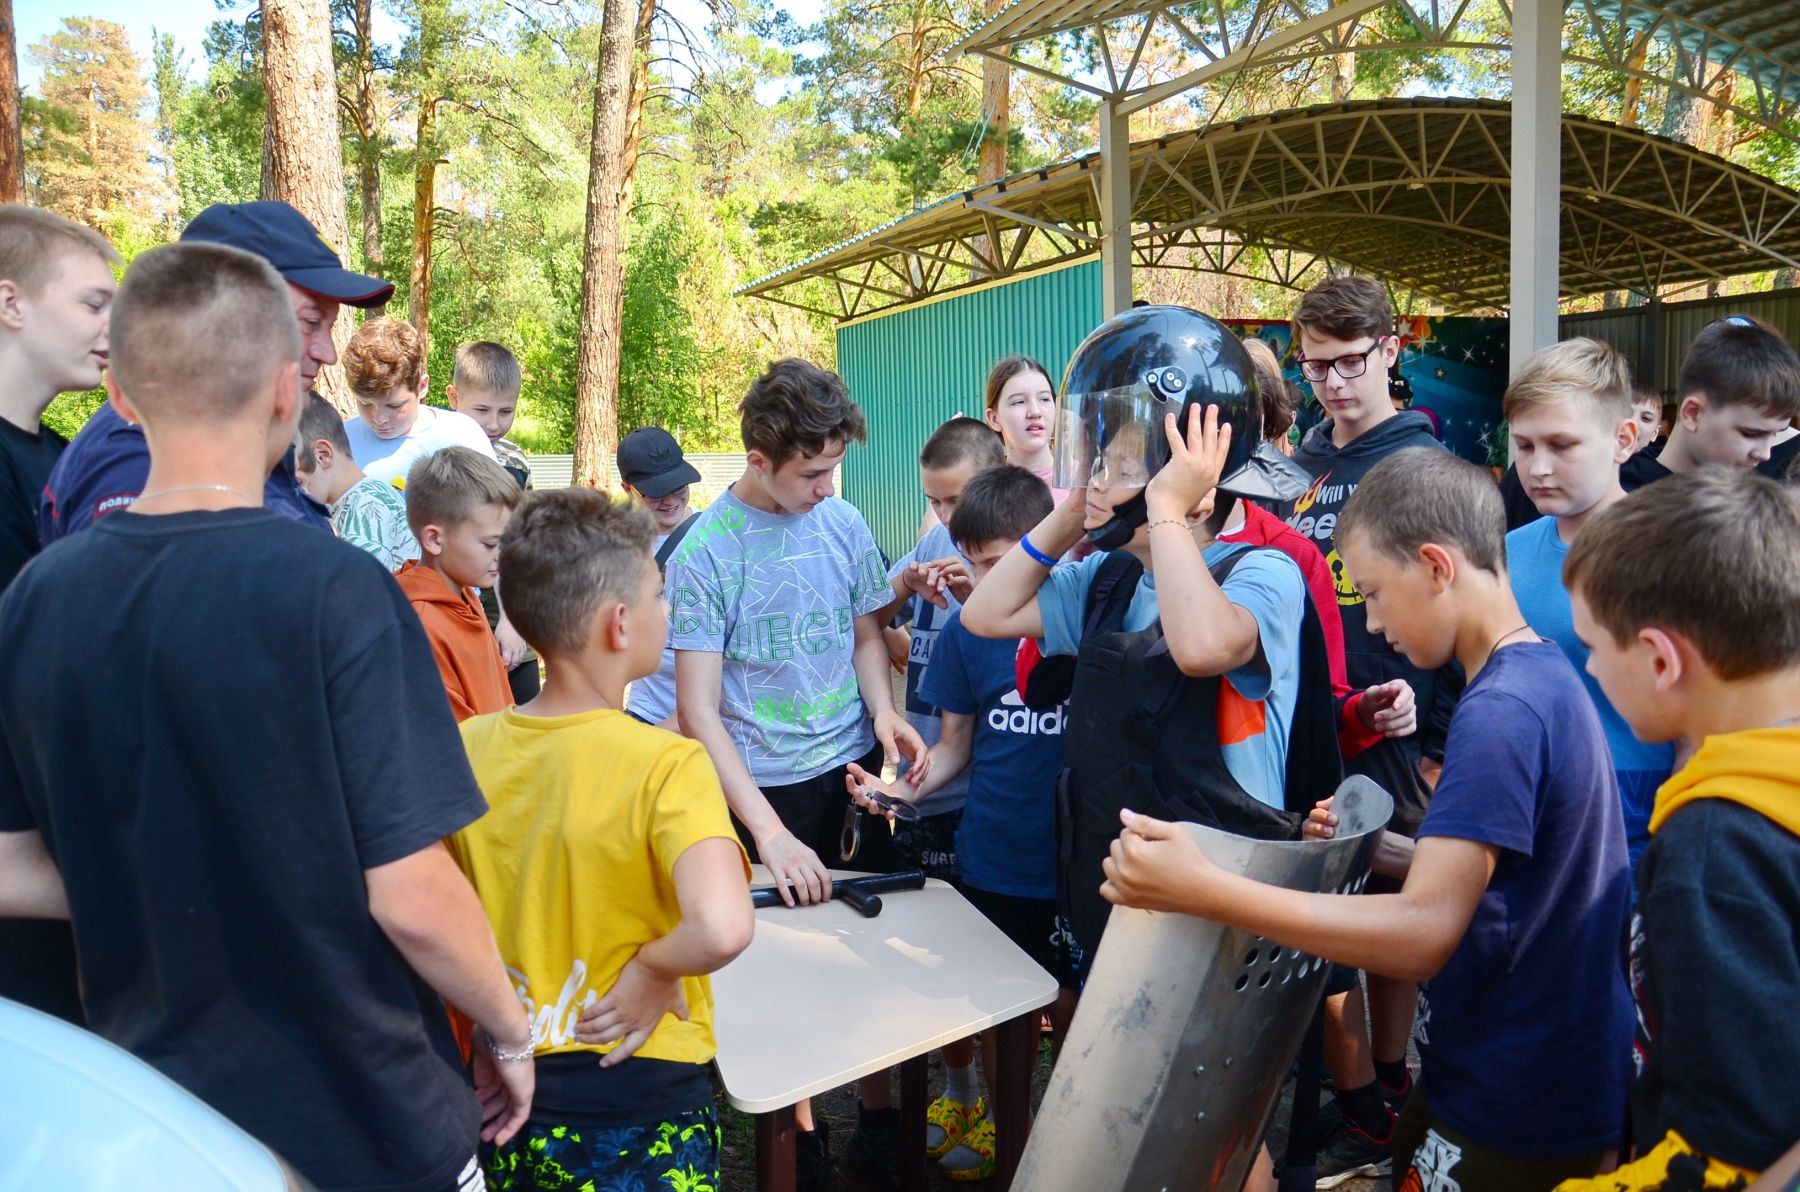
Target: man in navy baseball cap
x,y
104,468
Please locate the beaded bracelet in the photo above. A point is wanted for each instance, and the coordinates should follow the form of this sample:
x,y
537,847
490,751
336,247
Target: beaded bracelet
x,y
510,1057
1167,521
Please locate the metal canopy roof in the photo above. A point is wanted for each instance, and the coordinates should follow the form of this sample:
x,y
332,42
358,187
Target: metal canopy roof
x,y
1757,39
1414,191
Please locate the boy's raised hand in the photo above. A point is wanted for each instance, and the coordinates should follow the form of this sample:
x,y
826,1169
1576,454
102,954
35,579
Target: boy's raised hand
x,y
1194,466
1389,708
1321,823
900,739
930,581
1155,866
630,1011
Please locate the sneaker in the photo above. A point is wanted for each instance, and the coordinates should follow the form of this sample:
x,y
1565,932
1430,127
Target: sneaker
x,y
974,1159
812,1158
1351,1153
1396,1098
874,1149
946,1121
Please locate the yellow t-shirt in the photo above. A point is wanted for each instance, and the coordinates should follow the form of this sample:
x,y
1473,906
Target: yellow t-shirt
x,y
575,860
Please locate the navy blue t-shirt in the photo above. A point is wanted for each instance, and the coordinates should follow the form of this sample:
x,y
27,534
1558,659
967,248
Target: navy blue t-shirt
x,y
1007,841
1525,1034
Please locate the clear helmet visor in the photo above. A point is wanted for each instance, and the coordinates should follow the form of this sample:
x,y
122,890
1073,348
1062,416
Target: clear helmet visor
x,y
1112,438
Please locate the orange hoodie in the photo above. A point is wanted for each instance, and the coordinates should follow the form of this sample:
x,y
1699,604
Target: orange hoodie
x,y
467,655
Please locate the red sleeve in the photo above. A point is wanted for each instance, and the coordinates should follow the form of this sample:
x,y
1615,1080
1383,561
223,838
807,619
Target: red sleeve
x,y
1026,660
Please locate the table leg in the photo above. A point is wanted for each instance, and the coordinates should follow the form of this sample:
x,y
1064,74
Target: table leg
x,y
1016,1046
912,1125
775,1150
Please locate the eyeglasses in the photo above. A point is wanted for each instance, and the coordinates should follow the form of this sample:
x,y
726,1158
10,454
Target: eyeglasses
x,y
1348,367
850,843
1123,473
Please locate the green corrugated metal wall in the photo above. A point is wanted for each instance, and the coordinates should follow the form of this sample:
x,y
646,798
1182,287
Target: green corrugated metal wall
x,y
914,368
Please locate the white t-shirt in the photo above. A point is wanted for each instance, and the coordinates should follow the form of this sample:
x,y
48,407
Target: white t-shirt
x,y
433,430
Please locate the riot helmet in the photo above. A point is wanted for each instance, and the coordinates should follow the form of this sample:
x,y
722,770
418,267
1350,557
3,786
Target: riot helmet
x,y
1132,371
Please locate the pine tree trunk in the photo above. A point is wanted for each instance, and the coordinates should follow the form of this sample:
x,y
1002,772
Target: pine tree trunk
x,y
12,153
603,256
369,155
418,294
303,162
640,92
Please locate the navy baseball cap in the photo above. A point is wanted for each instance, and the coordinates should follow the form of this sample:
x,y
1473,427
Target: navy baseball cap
x,y
287,240
650,461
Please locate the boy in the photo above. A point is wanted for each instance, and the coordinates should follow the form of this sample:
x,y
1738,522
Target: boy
x,y
612,908
384,365
1515,890
104,468
1570,410
486,388
457,505
1007,757
1713,961
1344,338
1738,390
261,904
781,671
929,580
658,476
1646,409
366,513
56,290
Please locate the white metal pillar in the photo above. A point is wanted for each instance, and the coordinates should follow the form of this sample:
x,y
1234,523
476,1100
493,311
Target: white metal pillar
x,y
1536,174
1115,208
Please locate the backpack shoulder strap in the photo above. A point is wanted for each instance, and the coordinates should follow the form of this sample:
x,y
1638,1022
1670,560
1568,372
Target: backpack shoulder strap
x,y
667,550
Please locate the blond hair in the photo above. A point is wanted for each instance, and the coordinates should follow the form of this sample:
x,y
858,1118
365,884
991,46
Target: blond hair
x,y
1576,370
448,487
384,355
485,367
34,241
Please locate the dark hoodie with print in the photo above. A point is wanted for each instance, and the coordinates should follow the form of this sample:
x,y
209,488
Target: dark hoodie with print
x,y
1368,659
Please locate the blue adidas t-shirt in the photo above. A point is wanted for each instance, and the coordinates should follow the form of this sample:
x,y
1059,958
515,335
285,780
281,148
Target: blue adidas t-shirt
x,y
1007,841
1256,701
927,621
1534,557
1525,1033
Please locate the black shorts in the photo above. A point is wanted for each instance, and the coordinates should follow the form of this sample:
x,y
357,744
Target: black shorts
x,y
814,811
1034,926
1429,1154
930,844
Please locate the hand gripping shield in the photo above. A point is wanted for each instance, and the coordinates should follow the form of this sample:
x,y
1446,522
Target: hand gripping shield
x,y
1187,1028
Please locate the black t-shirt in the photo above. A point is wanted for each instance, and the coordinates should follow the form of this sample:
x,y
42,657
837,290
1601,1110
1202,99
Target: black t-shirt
x,y
25,461
1717,979
37,958
218,721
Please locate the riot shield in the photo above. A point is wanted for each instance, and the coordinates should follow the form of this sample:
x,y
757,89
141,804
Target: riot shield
x,y
1187,1028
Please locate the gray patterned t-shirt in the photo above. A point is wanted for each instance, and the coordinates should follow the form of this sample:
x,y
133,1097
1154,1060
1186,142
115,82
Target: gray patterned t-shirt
x,y
777,595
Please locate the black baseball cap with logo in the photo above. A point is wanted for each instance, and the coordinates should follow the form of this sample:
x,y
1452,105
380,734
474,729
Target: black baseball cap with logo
x,y
650,461
287,240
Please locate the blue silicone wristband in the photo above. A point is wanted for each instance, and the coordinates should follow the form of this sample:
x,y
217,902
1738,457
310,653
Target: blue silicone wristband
x,y
1035,553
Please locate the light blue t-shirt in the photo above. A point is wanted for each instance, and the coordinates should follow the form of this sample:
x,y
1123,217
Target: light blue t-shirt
x,y
1255,726
928,621
1534,558
778,596
652,697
